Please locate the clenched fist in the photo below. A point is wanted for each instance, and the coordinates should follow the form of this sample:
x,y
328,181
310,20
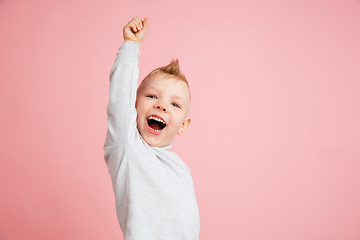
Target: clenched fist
x,y
135,30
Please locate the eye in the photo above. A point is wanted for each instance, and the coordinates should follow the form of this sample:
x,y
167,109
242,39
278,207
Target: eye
x,y
175,105
151,96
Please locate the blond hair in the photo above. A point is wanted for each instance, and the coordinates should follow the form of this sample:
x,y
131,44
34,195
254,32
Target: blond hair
x,y
172,69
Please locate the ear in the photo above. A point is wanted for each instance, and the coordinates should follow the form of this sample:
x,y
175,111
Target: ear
x,y
184,126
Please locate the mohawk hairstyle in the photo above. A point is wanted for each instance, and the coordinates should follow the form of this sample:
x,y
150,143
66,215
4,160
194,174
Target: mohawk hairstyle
x,y
173,69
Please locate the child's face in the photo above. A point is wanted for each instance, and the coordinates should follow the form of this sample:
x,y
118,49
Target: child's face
x,y
162,104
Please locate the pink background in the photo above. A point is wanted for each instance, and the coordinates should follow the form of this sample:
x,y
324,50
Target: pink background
x,y
274,146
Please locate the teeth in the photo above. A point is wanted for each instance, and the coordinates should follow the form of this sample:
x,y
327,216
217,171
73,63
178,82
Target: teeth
x,y
156,119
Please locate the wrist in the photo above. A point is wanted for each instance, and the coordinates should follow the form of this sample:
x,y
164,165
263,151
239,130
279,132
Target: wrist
x,y
132,42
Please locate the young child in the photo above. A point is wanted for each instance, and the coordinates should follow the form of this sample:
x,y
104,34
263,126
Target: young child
x,y
154,192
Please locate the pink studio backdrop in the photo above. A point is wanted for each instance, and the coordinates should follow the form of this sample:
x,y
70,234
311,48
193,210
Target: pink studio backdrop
x,y
274,145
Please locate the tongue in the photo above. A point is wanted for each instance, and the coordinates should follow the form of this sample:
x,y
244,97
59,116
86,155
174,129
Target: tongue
x,y
155,126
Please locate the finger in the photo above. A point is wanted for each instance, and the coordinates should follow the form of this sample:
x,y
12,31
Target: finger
x,y
137,18
129,26
138,23
133,24
133,27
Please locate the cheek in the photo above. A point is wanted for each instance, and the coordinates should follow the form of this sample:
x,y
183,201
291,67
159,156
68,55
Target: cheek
x,y
140,107
179,121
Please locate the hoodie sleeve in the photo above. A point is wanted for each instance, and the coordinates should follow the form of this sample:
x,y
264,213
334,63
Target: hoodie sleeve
x,y
121,111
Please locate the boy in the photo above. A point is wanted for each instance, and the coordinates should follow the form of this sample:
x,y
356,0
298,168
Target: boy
x,y
154,192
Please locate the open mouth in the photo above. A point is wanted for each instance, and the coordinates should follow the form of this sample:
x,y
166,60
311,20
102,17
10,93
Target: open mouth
x,y
155,123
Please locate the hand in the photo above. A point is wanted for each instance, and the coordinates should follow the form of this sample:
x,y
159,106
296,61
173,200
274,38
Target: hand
x,y
135,30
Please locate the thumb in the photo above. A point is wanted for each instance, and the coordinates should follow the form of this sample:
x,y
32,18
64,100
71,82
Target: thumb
x,y
145,24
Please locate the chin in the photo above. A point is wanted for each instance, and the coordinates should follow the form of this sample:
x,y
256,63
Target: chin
x,y
156,140
151,142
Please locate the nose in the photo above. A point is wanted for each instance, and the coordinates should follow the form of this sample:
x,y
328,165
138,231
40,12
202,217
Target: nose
x,y
160,107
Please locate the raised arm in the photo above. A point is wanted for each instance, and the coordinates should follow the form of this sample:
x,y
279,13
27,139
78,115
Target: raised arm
x,y
123,84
